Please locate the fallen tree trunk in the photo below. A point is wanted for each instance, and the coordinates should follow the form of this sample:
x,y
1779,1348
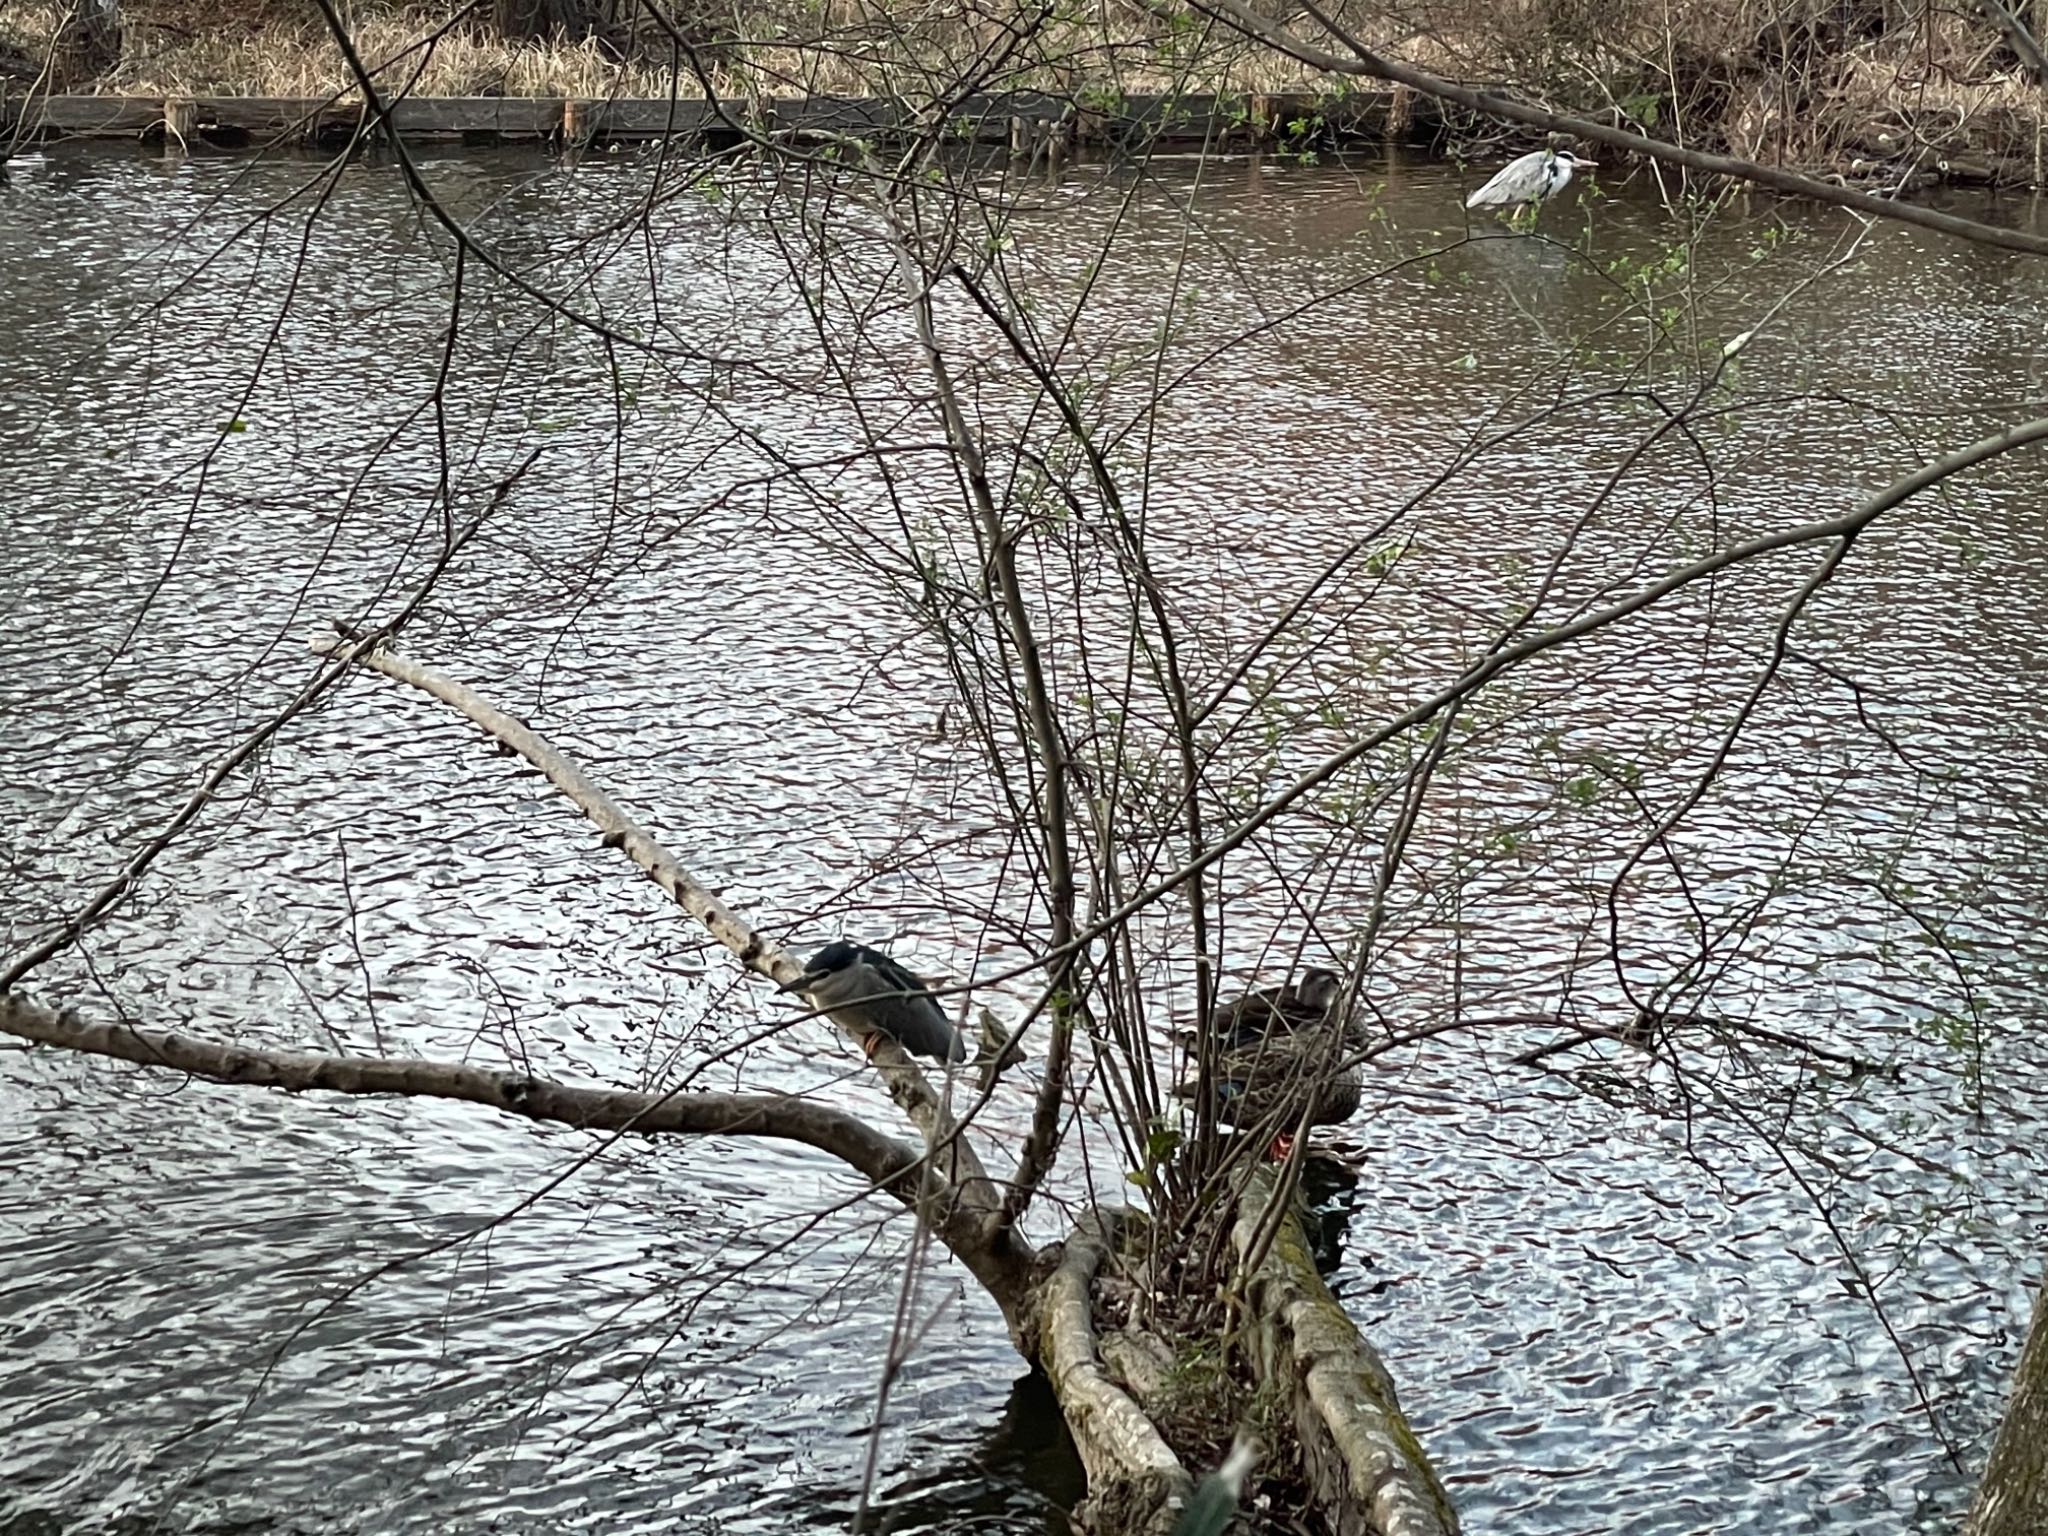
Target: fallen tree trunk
x,y
1367,1473
2013,1498
1366,1470
1339,1418
1135,1481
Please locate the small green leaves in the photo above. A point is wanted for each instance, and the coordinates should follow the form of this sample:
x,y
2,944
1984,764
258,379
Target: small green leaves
x,y
1646,107
1383,559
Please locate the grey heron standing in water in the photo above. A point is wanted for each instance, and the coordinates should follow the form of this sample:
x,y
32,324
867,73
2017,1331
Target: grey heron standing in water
x,y
870,994
1533,178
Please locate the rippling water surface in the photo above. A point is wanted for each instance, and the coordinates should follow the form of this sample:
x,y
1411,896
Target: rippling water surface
x,y
1639,1309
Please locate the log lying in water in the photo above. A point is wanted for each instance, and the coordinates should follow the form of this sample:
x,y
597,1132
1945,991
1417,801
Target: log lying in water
x,y
1135,1482
1367,1471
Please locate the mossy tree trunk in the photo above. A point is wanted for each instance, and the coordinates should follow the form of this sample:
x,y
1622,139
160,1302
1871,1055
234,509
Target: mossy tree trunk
x,y
2013,1498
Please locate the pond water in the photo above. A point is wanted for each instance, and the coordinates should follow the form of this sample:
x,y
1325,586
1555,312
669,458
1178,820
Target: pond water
x,y
231,409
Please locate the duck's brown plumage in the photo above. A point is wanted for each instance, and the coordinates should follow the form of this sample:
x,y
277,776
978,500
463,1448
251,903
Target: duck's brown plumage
x,y
1283,1050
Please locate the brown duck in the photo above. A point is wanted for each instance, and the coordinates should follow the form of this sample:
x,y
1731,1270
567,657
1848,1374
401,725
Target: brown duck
x,y
1281,1051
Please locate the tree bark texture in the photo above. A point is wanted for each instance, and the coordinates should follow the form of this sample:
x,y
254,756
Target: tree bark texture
x,y
1366,1468
2013,1498
1135,1482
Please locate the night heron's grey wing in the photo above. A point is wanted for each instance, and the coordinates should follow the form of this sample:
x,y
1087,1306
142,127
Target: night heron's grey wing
x,y
928,1032
909,1013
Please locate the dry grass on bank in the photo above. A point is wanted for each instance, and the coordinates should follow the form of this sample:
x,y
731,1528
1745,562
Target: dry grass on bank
x,y
180,49
174,47
1892,85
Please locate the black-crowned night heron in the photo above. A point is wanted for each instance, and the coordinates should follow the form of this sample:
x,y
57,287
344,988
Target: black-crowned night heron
x,y
869,994
1283,1051
1532,178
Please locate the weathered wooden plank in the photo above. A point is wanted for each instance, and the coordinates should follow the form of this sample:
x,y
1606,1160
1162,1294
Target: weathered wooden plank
x,y
181,122
1153,113
1003,106
856,116
981,118
520,117
653,118
271,117
93,116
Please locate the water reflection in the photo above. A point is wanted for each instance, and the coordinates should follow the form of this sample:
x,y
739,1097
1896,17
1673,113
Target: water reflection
x,y
1021,1474
1330,1194
1600,1317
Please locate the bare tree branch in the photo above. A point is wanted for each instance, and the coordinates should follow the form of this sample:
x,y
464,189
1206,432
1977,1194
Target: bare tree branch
x,y
1118,1442
2024,43
1365,62
907,1085
1042,1145
886,1160
1846,527
341,653
896,1166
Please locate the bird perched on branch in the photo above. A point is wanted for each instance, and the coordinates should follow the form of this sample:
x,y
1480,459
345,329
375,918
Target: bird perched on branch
x,y
1268,1010
1282,1051
870,995
1533,179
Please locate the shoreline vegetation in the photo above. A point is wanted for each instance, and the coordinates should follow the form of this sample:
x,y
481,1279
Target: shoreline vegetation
x,y
1879,93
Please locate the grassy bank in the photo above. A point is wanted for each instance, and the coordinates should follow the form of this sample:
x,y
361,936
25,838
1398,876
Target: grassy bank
x,y
282,48
1879,89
